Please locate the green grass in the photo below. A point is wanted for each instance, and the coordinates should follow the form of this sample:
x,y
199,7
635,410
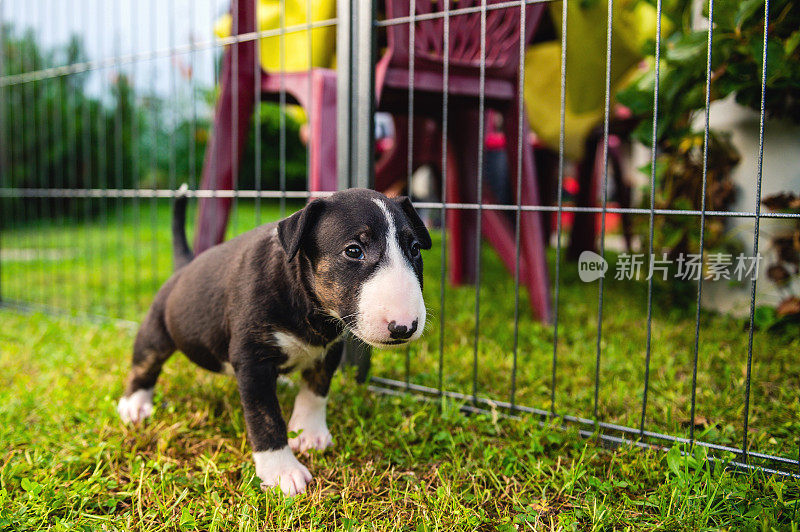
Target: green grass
x,y
397,462
68,462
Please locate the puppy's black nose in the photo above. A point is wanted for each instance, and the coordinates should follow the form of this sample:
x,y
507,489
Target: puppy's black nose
x,y
401,332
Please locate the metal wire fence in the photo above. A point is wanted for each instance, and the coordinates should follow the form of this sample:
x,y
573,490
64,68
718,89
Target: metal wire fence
x,y
98,132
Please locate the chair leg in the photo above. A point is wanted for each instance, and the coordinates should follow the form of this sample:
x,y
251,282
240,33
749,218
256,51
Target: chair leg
x,y
322,174
622,187
584,224
221,164
461,188
499,232
393,164
532,245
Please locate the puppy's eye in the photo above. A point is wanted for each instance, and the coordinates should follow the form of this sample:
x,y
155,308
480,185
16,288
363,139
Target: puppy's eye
x,y
354,252
415,249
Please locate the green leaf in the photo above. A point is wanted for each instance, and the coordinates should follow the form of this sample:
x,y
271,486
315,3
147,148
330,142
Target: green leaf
x,y
689,48
791,42
746,10
724,14
31,486
674,461
187,521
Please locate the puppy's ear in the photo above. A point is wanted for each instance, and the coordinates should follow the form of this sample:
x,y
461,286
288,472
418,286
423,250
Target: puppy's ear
x,y
419,228
294,229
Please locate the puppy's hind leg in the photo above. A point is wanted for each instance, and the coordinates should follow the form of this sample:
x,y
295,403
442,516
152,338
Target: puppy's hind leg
x,y
153,346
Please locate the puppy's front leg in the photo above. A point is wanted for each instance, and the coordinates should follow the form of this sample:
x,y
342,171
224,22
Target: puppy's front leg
x,y
257,377
308,416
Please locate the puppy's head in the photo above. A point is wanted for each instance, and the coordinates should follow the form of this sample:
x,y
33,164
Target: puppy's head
x,y
364,252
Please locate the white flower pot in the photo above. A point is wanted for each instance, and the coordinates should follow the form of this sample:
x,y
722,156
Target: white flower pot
x,y
780,173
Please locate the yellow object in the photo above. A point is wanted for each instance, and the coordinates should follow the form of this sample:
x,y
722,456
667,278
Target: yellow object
x,y
543,102
296,44
633,24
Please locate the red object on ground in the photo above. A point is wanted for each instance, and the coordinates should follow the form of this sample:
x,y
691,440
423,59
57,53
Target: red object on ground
x,y
495,140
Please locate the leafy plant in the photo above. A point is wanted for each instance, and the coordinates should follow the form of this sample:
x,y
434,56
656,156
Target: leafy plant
x,y
736,57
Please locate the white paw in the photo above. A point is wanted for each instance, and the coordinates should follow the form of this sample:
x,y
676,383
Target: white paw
x,y
136,406
281,468
308,419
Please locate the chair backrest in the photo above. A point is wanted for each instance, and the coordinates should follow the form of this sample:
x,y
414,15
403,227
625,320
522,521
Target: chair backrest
x,y
502,34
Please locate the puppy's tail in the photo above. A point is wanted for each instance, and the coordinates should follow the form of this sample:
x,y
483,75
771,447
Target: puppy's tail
x,y
181,252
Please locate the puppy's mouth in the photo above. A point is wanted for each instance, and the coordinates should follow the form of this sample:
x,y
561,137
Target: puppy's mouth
x,y
394,342
378,343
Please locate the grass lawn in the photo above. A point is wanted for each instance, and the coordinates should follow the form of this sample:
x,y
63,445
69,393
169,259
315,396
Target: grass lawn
x,y
397,462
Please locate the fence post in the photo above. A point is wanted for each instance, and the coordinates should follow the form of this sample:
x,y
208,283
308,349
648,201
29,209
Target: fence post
x,y
356,123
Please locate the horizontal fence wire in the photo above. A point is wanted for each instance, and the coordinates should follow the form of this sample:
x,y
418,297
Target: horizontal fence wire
x,y
105,163
300,194
125,59
600,429
484,7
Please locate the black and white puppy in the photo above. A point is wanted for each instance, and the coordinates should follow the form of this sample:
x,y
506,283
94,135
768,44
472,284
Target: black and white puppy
x,y
277,299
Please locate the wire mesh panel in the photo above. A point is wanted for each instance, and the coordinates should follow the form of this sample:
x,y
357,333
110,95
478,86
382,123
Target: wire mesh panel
x,y
109,108
644,365
558,286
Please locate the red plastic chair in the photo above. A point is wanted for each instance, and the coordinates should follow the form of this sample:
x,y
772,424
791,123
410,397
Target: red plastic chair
x,y
314,90
500,93
317,93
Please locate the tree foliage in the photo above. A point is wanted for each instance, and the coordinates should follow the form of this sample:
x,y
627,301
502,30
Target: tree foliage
x,y
93,130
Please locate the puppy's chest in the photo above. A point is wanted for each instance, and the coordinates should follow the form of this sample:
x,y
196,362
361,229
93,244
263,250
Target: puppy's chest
x,y
300,354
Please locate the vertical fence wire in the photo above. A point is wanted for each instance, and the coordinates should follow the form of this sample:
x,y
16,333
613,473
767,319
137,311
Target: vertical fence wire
x,y
136,168
28,155
606,119
154,129
210,174
518,211
560,192
118,163
257,127
54,167
444,176
173,98
60,297
282,106
33,216
41,205
236,141
651,226
746,415
309,95
103,165
702,217
86,180
479,186
192,99
74,205
412,31
16,117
